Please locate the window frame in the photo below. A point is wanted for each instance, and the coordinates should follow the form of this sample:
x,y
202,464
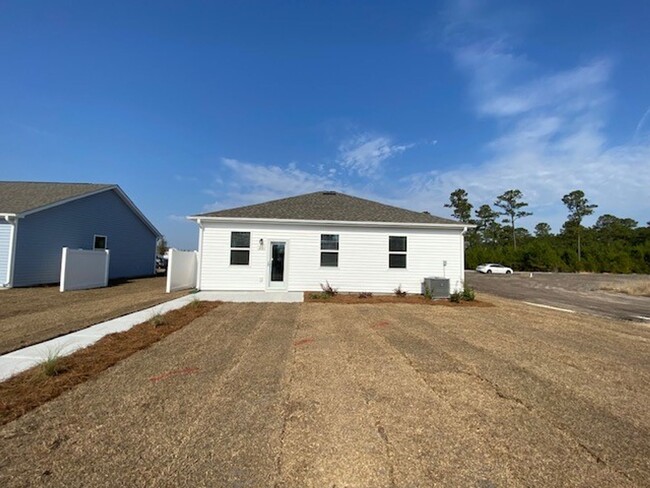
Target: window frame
x,y
95,248
330,251
398,253
239,249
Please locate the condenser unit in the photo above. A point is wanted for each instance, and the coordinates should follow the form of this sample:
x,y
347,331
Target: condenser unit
x,y
437,287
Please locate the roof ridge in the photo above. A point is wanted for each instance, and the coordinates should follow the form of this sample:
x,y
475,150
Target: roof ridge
x,y
321,205
58,182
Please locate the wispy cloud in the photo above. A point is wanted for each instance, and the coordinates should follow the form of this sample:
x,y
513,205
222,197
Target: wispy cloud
x,y
255,182
364,154
551,126
642,124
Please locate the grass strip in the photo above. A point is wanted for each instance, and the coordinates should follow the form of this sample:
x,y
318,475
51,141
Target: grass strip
x,y
44,382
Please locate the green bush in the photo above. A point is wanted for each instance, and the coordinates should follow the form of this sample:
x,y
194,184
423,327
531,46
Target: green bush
x,y
468,294
455,297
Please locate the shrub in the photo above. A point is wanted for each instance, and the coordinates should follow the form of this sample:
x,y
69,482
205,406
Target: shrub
x,y
399,292
468,294
328,289
365,294
51,366
157,320
427,293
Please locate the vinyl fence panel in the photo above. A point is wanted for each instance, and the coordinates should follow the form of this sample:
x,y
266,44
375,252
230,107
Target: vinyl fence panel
x,y
181,270
82,269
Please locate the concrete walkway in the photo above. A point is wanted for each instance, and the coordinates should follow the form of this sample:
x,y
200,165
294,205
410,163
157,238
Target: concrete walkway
x,y
16,361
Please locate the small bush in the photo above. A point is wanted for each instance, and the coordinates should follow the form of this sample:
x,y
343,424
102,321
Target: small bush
x,y
399,292
51,366
157,320
328,289
468,294
365,294
427,293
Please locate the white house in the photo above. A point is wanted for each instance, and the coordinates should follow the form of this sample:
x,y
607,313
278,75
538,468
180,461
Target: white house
x,y
299,243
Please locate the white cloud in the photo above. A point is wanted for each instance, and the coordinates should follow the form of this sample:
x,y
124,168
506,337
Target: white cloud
x,y
552,136
364,154
253,183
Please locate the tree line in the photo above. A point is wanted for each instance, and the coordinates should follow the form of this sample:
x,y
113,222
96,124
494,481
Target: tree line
x,y
613,244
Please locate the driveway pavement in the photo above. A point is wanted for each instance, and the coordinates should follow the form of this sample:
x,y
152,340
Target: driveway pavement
x,y
571,291
322,395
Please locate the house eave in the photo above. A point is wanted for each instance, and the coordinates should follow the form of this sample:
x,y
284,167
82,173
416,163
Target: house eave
x,y
341,223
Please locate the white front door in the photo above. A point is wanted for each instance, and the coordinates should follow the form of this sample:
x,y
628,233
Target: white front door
x,y
277,269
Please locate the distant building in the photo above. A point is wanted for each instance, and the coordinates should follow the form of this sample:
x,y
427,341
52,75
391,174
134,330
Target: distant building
x,y
38,219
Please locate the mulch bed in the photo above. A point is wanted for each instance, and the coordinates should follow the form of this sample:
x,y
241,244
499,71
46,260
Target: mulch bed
x,y
32,388
353,298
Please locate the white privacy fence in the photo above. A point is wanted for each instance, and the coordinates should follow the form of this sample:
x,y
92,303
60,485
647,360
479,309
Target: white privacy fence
x,y
181,270
81,269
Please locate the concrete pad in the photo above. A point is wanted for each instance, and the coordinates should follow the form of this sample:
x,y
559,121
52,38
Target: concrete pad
x,y
252,296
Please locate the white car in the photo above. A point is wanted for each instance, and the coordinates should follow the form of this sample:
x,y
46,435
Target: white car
x,y
490,268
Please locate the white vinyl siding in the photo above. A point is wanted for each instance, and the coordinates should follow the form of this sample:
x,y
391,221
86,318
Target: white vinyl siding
x,y
362,261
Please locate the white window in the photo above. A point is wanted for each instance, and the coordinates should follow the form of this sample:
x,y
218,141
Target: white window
x,y
240,248
100,242
329,246
397,252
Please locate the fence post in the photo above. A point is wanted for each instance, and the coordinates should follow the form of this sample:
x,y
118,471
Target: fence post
x,y
64,256
170,260
108,258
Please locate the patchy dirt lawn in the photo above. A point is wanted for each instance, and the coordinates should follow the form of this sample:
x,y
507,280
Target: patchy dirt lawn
x,y
313,395
31,315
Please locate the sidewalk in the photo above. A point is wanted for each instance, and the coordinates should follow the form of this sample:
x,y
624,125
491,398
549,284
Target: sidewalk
x,y
16,361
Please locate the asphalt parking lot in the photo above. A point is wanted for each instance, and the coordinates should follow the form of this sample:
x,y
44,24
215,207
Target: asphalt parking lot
x,y
576,292
327,395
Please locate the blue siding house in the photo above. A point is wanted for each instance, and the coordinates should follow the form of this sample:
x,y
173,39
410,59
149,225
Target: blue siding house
x,y
38,219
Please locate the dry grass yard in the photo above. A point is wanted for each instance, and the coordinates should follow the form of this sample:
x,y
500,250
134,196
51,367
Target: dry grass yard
x,y
321,394
32,315
639,289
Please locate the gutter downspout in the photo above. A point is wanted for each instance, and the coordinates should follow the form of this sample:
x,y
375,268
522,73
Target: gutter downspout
x,y
199,255
462,257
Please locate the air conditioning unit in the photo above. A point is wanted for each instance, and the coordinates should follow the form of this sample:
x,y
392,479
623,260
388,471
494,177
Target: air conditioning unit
x,y
437,287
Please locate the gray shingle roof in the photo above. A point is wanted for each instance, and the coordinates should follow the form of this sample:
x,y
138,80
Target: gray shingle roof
x,y
17,197
328,205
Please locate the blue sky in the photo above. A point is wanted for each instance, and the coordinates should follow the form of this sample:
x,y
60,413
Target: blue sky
x,y
194,106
